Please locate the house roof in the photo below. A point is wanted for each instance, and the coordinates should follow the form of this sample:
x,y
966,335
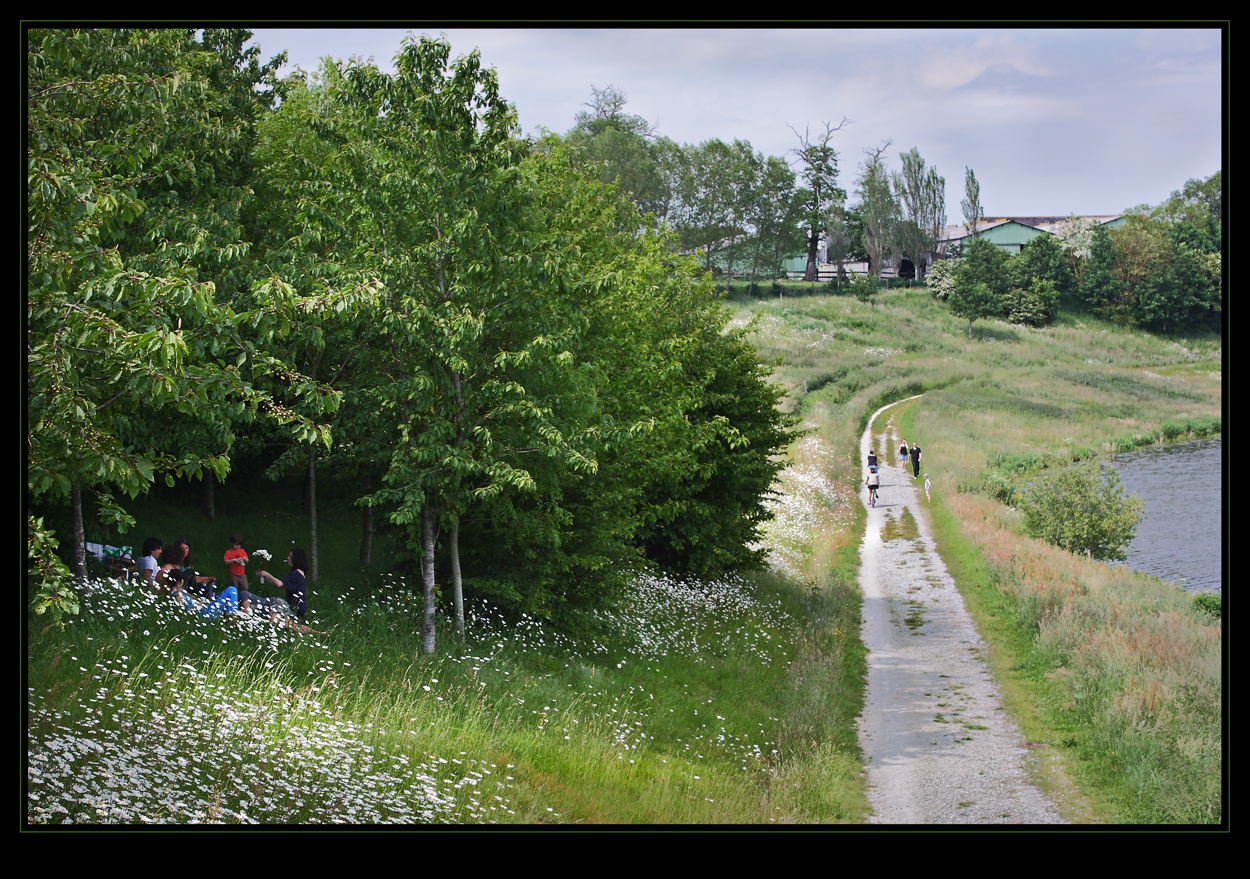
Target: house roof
x,y
1046,224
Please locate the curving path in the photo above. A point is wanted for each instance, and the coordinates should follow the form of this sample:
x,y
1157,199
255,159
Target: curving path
x,y
939,748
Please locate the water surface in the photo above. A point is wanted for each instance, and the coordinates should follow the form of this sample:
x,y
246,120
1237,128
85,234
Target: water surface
x,y
1181,538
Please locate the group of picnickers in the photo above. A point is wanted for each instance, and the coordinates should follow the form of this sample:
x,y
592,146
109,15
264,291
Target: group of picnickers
x,y
873,480
168,570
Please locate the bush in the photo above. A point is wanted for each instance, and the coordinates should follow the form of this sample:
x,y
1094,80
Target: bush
x,y
941,278
1034,307
1210,603
1082,509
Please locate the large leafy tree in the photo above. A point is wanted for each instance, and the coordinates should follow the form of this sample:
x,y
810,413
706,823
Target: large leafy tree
x,y
133,357
879,209
922,195
982,282
424,188
619,147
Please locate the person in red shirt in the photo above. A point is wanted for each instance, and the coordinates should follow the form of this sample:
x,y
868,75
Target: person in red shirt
x,y
236,558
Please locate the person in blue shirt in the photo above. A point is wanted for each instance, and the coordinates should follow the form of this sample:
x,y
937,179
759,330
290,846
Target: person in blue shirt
x,y
290,609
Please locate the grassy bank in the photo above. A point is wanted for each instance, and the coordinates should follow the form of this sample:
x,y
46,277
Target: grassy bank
x,y
700,703
1117,674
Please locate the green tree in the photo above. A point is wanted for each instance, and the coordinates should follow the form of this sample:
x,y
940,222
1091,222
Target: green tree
x,y
1179,294
619,147
982,282
132,358
1082,509
774,219
880,211
1199,203
1043,259
1099,287
922,195
971,203
431,190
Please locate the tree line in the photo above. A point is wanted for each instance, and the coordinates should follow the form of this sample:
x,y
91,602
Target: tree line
x,y
733,205
1161,270
375,275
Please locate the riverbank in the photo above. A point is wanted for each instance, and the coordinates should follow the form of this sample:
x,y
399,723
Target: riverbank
x,y
1119,673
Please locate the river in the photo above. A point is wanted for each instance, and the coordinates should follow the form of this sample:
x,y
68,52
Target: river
x,y
1181,538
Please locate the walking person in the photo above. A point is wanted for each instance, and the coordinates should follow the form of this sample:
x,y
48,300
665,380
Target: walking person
x,y
926,489
915,459
902,456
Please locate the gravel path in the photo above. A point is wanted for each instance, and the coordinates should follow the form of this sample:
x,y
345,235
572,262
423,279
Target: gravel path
x,y
939,748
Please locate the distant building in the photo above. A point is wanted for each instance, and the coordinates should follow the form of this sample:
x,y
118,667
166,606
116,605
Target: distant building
x,y
1012,233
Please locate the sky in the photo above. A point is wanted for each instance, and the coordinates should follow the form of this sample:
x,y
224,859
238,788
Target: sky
x,y
1051,121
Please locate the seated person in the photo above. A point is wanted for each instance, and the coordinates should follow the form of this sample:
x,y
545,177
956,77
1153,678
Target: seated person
x,y
168,577
191,581
149,564
291,609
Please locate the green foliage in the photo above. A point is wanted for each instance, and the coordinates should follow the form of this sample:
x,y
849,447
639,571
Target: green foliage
x,y
1210,603
819,196
880,211
941,278
864,289
49,573
922,194
539,373
1100,289
1082,509
1035,306
1043,259
618,148
973,300
138,361
1199,203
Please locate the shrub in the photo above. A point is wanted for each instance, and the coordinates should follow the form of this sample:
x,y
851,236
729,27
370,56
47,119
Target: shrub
x,y
1210,603
1082,509
941,278
1034,307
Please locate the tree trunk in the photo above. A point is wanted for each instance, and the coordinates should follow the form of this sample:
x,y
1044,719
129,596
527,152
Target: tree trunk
x,y
210,508
813,240
312,511
457,593
78,546
427,579
366,536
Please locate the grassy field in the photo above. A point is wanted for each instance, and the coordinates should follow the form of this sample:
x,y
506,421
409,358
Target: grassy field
x,y
1117,672
727,702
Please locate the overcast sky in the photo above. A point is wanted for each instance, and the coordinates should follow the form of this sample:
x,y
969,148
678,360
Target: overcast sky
x,y
1052,121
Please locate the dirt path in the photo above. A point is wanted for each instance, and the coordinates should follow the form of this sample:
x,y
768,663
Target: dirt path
x,y
939,748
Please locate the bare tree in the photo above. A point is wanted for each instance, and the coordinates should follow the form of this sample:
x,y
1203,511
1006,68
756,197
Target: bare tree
x,y
820,173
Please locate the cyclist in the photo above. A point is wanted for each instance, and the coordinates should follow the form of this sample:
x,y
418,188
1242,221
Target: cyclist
x,y
874,483
872,459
